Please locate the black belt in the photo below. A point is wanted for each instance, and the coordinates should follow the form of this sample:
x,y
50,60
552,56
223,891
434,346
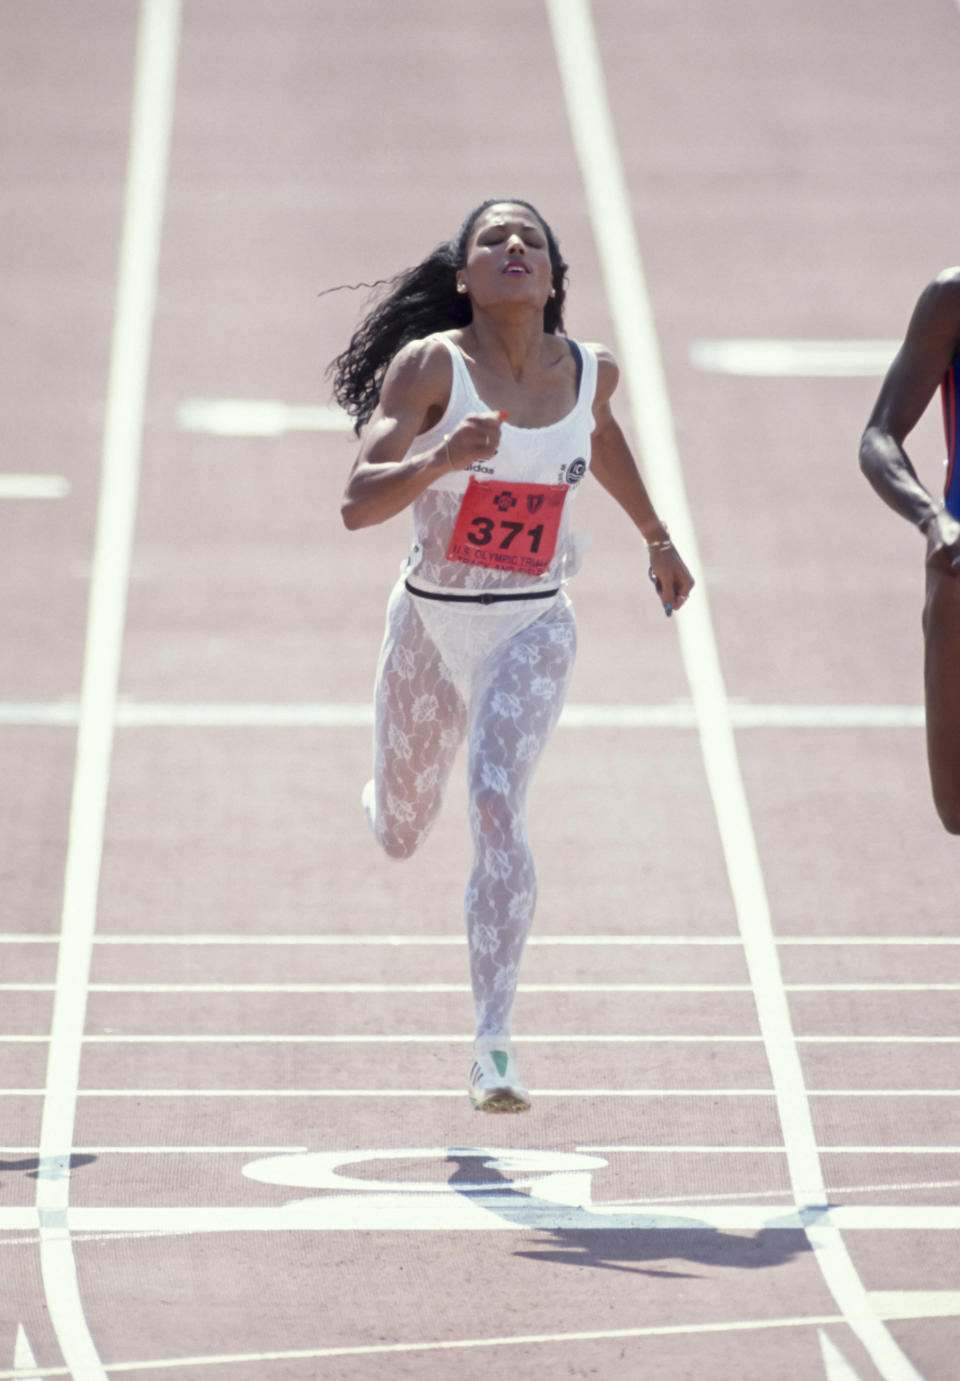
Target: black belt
x,y
480,599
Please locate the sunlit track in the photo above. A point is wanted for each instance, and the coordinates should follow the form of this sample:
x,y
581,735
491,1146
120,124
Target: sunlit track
x,y
126,397
595,138
228,869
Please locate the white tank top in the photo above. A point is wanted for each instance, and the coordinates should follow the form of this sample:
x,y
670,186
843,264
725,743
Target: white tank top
x,y
558,454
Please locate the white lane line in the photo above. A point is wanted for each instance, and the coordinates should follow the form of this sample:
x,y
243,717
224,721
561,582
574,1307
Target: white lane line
x,y
835,1365
258,417
181,1092
272,1039
607,193
165,1150
153,97
749,1194
768,1150
377,1211
903,940
245,1038
916,1304
458,1093
33,487
24,1362
236,1359
647,1149
799,359
346,988
458,941
132,714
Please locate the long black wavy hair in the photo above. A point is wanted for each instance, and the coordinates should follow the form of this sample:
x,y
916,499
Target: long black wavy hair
x,y
419,301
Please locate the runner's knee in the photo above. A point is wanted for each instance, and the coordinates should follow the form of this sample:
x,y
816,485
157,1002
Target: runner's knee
x,y
494,811
400,839
948,809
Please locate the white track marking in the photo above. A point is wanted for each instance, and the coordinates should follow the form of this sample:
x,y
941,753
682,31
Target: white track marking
x,y
380,1212
607,195
768,1150
153,98
344,988
236,1359
245,1038
705,1092
809,359
396,1093
258,417
748,1195
33,487
835,1365
388,939
648,1149
916,1304
131,714
166,1150
23,1358
458,941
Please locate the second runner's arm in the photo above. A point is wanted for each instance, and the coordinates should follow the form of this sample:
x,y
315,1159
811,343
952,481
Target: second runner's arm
x,y
912,380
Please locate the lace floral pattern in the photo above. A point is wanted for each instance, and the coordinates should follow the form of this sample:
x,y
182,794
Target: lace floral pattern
x,y
499,681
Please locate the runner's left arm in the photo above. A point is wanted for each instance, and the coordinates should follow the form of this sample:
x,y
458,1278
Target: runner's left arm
x,y
613,464
930,343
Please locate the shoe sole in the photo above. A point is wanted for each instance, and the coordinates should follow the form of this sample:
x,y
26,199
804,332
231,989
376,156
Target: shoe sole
x,y
501,1100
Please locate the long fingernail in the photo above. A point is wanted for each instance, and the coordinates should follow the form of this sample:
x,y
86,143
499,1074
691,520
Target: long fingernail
x,y
668,609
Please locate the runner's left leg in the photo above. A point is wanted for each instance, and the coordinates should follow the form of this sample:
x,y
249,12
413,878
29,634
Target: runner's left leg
x,y
941,627
517,698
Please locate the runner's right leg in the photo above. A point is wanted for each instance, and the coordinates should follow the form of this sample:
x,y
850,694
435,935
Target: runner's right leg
x,y
941,627
420,720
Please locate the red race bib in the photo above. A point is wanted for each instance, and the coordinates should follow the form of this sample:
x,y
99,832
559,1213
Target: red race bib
x,y
510,527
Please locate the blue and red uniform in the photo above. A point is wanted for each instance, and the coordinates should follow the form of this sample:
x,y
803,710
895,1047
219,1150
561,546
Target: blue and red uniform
x,y
948,394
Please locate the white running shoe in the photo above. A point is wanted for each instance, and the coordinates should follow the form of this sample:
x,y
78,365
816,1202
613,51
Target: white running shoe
x,y
368,799
494,1082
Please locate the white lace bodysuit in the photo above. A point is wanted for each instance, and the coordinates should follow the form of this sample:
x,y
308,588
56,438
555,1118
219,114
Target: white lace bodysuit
x,y
494,673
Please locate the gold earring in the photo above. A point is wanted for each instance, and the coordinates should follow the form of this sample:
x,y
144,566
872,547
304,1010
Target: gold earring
x,y
461,287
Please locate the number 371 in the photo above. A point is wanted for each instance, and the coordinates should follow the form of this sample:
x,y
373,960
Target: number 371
x,y
481,533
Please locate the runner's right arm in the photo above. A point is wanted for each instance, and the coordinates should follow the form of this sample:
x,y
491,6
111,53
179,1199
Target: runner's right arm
x,y
413,398
913,378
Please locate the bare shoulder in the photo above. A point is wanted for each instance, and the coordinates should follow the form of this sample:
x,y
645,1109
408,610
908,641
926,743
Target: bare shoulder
x,y
608,371
420,368
938,307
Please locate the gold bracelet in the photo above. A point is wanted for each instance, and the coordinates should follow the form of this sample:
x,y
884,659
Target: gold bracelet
x,y
661,544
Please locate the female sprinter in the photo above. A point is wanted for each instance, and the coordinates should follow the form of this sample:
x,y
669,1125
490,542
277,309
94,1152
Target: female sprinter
x,y
479,416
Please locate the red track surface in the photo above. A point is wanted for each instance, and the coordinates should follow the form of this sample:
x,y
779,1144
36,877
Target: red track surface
x,y
791,176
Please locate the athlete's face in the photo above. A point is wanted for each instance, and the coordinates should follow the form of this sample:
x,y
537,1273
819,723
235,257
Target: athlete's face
x,y
508,259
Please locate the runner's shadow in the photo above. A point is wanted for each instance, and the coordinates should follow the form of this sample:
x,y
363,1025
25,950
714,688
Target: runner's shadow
x,y
31,1167
579,1236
